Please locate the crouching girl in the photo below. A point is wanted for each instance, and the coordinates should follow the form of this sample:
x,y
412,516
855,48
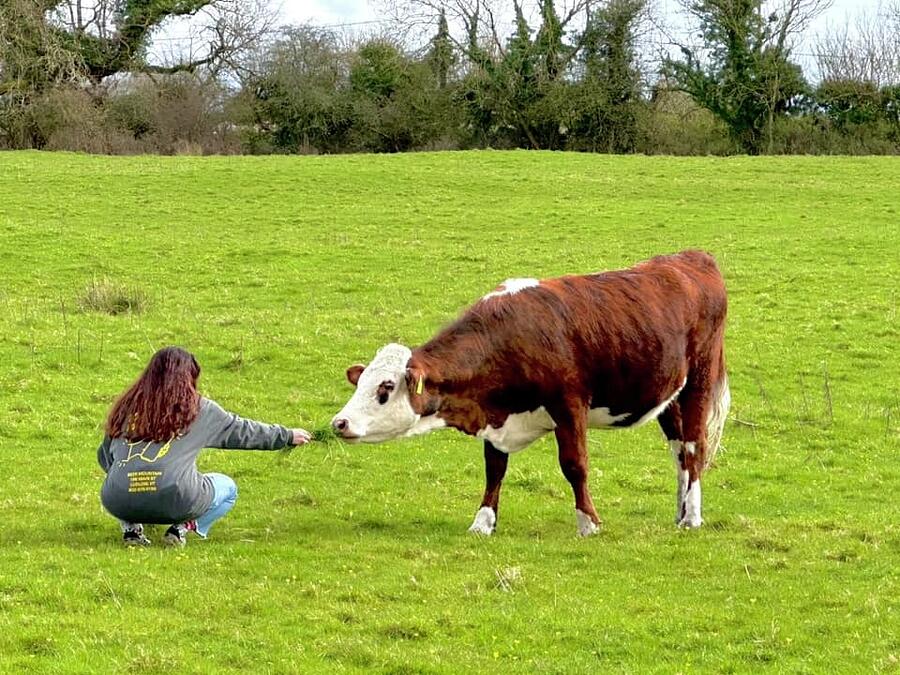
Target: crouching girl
x,y
154,433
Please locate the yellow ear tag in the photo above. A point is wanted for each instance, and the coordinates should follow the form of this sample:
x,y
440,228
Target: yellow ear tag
x,y
420,384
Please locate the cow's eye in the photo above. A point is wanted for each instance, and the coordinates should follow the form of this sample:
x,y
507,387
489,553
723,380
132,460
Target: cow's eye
x,y
384,391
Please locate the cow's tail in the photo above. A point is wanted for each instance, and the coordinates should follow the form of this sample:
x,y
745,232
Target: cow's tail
x,y
718,412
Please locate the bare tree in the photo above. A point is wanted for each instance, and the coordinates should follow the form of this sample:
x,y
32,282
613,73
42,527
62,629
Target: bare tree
x,y
791,18
93,17
114,36
867,52
220,37
478,28
893,10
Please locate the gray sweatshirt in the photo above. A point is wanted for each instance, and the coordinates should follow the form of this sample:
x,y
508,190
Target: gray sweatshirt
x,y
150,482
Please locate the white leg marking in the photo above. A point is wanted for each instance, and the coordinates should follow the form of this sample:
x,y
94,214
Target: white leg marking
x,y
690,447
586,526
485,521
681,477
692,500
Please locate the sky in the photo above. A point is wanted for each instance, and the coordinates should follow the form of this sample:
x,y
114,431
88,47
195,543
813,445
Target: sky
x,y
355,11
327,11
364,17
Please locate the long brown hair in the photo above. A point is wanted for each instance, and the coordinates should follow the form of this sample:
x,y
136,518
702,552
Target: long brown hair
x,y
162,402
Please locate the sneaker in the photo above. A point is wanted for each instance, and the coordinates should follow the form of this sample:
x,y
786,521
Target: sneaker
x,y
135,538
176,534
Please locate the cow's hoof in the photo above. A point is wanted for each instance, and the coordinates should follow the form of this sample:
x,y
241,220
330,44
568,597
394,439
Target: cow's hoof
x,y
586,526
690,523
485,521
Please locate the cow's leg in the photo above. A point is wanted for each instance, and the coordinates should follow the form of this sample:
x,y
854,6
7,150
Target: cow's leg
x,y
670,423
571,437
494,469
694,402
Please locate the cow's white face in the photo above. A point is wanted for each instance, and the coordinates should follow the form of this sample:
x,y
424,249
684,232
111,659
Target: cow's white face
x,y
380,409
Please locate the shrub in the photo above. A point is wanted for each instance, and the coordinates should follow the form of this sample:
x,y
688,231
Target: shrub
x,y
675,125
112,297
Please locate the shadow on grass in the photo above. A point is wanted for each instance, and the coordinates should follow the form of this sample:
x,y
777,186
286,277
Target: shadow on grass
x,y
92,534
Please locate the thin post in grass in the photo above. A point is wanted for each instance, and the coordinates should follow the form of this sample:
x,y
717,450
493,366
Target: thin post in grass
x,y
829,408
763,394
62,308
805,398
762,390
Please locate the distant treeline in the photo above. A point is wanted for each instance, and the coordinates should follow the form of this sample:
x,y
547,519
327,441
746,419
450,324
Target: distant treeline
x,y
75,75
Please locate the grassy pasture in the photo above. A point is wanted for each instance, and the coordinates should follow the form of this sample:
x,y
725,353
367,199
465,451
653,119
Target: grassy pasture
x,y
279,272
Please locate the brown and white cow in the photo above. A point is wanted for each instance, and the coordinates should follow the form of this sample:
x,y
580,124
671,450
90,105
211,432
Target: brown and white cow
x,y
612,349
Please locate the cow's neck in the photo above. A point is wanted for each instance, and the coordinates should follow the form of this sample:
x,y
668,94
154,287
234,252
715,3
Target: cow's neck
x,y
455,392
462,413
457,354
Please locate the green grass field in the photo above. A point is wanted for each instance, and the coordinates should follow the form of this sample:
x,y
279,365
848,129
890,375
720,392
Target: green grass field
x,y
279,272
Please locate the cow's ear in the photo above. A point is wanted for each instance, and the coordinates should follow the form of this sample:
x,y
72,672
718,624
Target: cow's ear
x,y
353,373
424,401
415,381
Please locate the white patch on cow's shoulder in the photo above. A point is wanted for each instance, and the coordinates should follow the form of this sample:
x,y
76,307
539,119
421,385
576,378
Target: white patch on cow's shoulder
x,y
511,287
485,521
601,417
586,526
519,430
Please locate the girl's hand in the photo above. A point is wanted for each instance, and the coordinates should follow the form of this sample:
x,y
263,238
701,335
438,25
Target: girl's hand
x,y
301,436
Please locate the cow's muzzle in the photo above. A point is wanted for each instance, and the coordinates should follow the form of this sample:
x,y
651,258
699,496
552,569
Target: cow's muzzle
x,y
341,427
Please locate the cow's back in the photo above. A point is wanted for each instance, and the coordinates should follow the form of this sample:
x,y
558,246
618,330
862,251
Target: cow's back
x,y
623,340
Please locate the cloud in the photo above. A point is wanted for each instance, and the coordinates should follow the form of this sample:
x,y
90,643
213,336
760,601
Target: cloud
x,y
326,11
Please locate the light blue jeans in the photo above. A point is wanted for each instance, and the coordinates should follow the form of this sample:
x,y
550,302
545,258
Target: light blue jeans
x,y
224,496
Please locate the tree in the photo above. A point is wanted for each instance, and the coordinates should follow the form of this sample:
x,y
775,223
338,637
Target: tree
x,y
397,103
849,104
295,98
32,54
611,87
552,52
441,55
479,24
869,53
108,37
514,87
743,73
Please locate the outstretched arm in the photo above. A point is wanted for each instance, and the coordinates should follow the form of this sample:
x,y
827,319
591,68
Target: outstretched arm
x,y
232,432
